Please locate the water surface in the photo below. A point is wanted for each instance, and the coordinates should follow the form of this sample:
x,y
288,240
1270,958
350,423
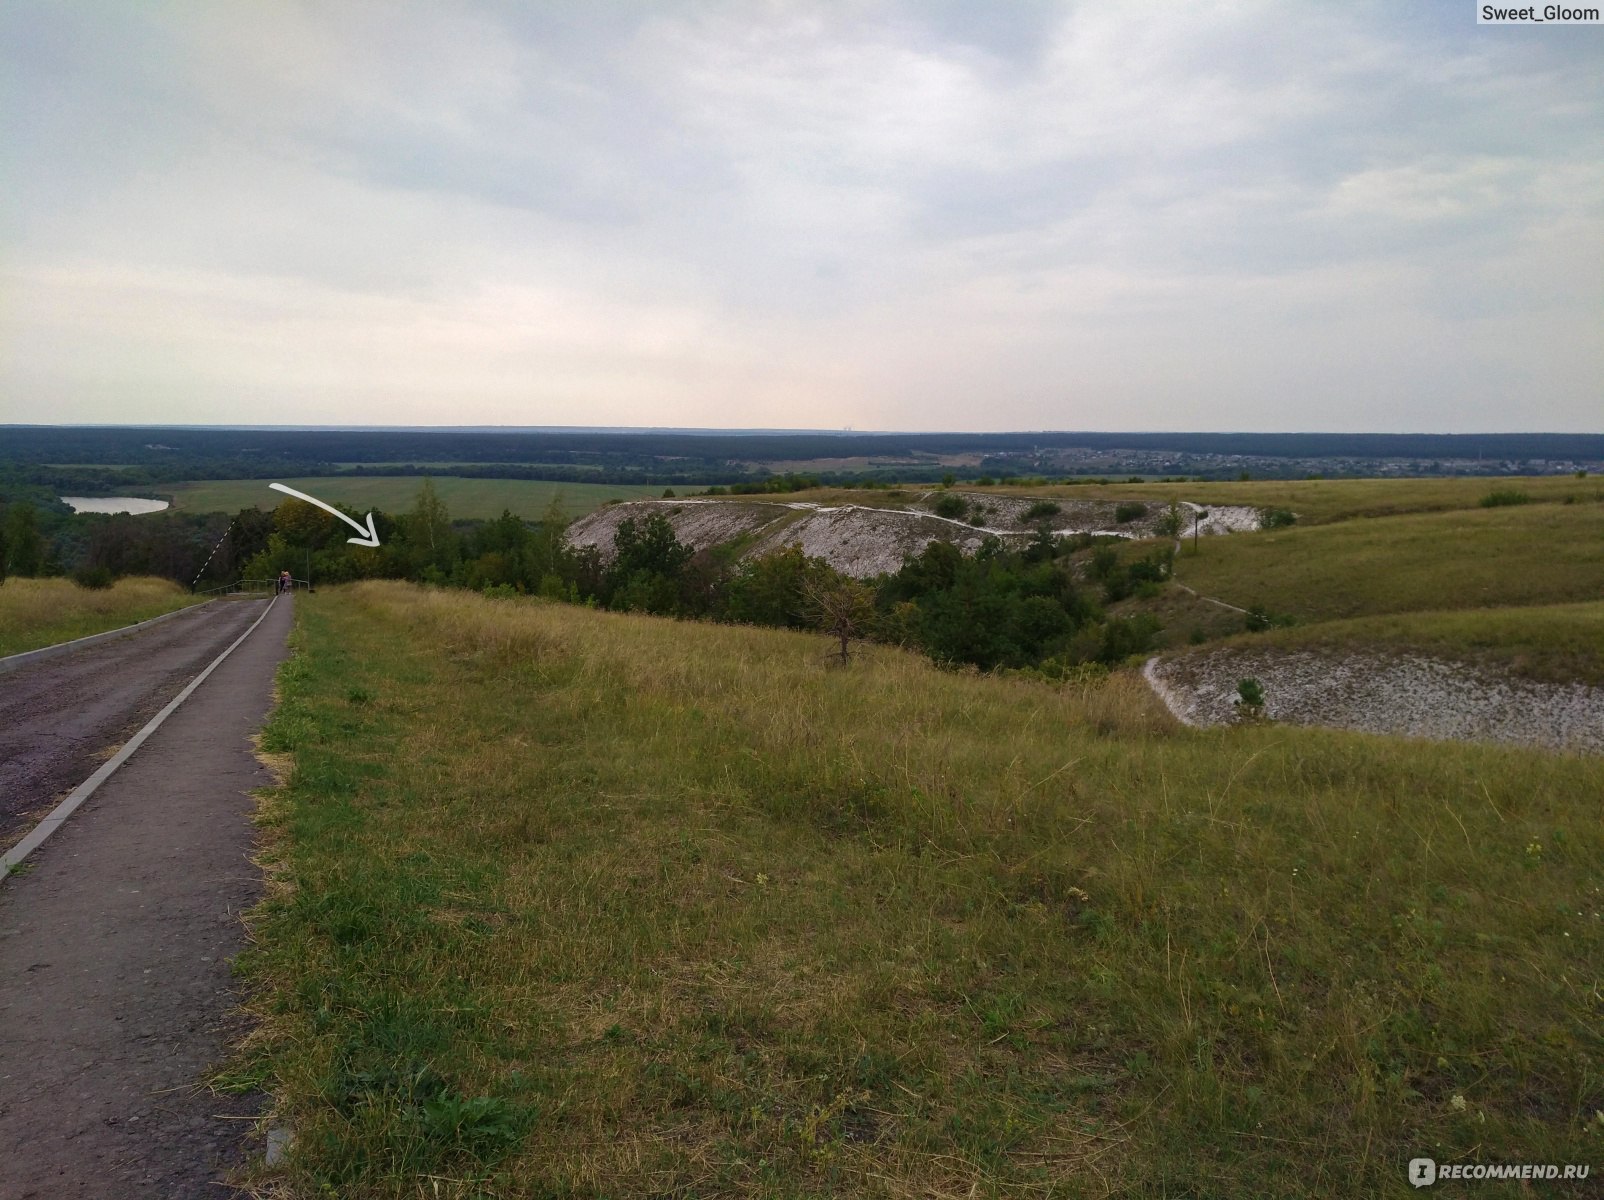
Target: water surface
x,y
113,504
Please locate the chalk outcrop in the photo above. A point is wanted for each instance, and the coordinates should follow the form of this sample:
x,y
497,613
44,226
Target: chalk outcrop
x,y
1383,692
861,541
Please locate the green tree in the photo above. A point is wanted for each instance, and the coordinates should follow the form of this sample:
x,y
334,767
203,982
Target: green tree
x,y
428,530
769,589
302,525
551,559
648,545
25,545
647,563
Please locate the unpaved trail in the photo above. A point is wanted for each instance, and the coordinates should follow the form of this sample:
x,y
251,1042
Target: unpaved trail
x,y
59,718
115,991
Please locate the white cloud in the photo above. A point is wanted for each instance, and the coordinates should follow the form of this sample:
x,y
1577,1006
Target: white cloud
x,y
899,215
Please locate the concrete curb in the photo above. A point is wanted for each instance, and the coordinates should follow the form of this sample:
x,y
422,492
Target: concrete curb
x,y
27,657
52,822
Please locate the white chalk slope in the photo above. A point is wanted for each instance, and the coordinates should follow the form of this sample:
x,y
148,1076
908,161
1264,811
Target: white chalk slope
x,y
862,541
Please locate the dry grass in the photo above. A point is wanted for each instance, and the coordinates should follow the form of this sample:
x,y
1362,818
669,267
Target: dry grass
x,y
42,612
580,904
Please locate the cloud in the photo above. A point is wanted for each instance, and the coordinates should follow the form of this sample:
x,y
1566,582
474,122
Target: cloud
x,y
1121,215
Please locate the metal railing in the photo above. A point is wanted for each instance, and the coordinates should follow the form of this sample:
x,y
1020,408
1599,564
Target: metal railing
x,y
252,586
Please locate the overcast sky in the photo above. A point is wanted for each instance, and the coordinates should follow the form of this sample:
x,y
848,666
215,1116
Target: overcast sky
x,y
935,214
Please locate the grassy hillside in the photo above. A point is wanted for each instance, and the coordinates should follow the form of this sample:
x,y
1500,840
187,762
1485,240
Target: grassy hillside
x,y
580,904
42,612
1318,501
1555,643
466,498
1481,557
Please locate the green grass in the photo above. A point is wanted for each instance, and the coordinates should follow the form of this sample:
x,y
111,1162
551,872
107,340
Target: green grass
x,y
1315,501
465,498
566,903
1555,643
439,465
1318,501
42,612
1474,558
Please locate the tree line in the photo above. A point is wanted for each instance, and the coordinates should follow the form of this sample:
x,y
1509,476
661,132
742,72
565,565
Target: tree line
x,y
1040,606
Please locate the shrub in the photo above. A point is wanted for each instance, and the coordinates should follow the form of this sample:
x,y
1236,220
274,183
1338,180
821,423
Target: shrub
x,y
1126,636
1043,509
94,578
1249,697
949,506
1258,619
1104,562
1504,498
1276,518
1133,511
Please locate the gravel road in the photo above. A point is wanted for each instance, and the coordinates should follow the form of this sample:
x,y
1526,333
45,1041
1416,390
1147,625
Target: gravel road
x,y
116,996
62,717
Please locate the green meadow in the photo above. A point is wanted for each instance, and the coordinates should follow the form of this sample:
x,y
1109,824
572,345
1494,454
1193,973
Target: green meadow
x,y
571,903
465,498
1529,554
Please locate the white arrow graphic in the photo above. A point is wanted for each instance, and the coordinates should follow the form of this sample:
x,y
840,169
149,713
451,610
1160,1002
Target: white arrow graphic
x,y
370,536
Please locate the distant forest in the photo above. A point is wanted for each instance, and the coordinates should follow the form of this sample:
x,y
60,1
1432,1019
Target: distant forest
x,y
64,457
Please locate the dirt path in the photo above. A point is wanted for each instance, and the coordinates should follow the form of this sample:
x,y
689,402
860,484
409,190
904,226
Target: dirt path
x,y
115,992
61,717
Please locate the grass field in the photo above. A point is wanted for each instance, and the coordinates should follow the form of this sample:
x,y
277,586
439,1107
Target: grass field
x,y
465,498
42,612
566,903
1555,643
1318,501
1315,501
1527,555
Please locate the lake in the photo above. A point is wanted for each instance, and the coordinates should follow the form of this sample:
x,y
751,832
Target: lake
x,y
113,504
